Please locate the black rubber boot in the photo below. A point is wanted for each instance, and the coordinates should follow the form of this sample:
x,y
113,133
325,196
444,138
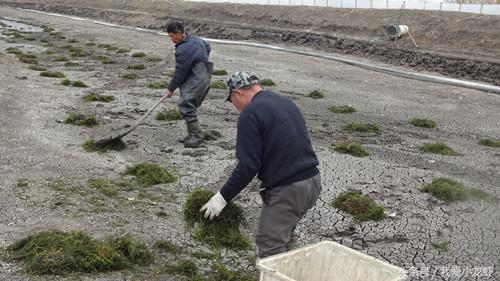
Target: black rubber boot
x,y
195,137
183,140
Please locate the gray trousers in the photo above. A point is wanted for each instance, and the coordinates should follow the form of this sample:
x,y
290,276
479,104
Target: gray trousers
x,y
282,209
194,90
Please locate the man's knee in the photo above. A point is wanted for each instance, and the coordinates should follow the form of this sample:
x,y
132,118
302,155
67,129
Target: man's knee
x,y
273,235
188,112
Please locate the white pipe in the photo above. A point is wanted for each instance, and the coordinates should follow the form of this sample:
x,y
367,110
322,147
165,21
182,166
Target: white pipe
x,y
399,73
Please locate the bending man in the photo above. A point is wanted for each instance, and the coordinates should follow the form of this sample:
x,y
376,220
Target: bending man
x,y
272,142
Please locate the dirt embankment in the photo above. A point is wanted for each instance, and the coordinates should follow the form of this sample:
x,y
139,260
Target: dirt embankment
x,y
453,44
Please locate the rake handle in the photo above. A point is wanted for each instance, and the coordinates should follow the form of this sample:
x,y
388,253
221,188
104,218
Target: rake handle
x,y
144,116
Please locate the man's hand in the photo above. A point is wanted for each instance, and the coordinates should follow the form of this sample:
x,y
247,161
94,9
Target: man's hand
x,y
214,206
168,93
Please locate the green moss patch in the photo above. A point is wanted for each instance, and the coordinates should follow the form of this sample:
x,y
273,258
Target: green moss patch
x,y
12,50
22,182
158,85
351,147
204,255
267,82
46,28
223,231
66,82
171,73
162,214
77,83
362,208
27,58
108,47
60,58
136,66
105,60
78,52
478,194
109,188
488,142
168,246
117,145
441,246
341,109
316,94
90,44
437,148
361,127
37,68
122,51
150,174
447,190
130,76
57,35
218,85
211,135
52,74
170,115
70,63
219,72
90,97
180,267
81,120
423,123
138,55
58,253
220,272
154,59
450,191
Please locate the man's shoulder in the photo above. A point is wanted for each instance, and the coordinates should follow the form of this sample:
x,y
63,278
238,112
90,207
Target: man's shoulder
x,y
188,44
262,102
267,96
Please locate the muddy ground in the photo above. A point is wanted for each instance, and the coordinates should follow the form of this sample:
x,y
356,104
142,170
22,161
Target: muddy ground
x,y
39,149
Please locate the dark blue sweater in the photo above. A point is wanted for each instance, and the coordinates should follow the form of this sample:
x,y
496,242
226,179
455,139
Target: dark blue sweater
x,y
188,52
272,143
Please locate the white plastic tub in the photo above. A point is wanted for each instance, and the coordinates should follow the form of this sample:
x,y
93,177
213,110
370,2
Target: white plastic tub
x,y
327,261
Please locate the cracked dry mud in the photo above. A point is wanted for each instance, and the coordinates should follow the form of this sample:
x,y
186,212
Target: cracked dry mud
x,y
40,150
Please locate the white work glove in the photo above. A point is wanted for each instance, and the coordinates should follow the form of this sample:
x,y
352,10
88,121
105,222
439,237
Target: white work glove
x,y
214,206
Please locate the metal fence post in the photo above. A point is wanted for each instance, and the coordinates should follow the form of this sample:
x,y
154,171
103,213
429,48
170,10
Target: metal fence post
x,y
425,2
355,4
371,4
314,3
441,6
341,3
481,10
327,3
387,4
460,7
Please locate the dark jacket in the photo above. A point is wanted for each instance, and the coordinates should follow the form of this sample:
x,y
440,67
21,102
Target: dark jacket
x,y
187,53
272,143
